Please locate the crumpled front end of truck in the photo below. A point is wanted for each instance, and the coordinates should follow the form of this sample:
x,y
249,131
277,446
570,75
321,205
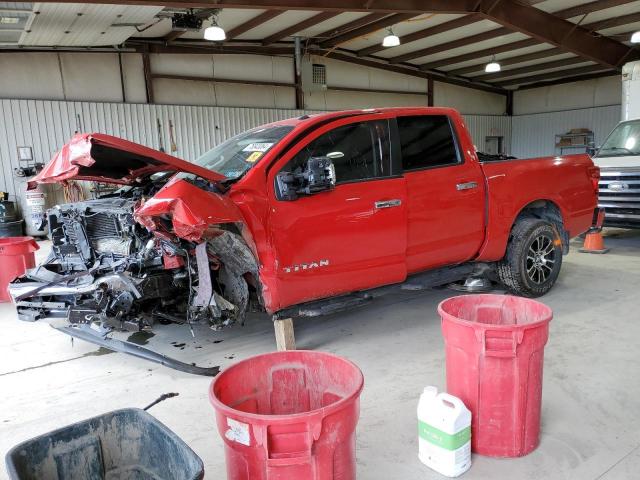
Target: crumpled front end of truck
x,y
162,250
128,265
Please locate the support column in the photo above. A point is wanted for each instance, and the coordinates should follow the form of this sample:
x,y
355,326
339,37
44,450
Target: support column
x,y
510,103
148,80
297,71
430,92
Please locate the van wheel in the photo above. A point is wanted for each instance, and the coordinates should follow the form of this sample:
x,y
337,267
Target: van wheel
x,y
534,256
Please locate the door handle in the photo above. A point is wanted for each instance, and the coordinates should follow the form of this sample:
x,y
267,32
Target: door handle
x,y
388,203
466,186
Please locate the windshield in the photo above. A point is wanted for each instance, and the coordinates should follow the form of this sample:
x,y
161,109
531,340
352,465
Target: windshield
x,y
624,140
235,156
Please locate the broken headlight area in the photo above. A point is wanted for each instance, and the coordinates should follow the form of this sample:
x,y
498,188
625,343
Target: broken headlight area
x,y
106,269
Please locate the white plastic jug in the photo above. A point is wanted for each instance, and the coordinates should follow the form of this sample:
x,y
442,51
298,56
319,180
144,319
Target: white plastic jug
x,y
444,433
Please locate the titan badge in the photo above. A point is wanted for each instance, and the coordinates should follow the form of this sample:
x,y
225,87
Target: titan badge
x,y
306,266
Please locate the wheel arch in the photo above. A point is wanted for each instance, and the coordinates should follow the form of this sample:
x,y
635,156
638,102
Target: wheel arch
x,y
546,209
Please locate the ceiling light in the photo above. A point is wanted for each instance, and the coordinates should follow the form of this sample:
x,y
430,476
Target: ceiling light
x,y
492,66
391,40
635,38
215,33
9,20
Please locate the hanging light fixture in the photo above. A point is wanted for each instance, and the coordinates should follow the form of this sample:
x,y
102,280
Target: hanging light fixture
x,y
492,66
635,38
215,32
391,39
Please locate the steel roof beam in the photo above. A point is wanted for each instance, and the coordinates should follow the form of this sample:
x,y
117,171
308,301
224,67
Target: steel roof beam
x,y
435,30
427,32
366,29
174,34
487,52
443,47
549,28
549,52
558,81
298,27
514,72
496,8
613,22
407,70
253,23
372,17
632,18
416,7
566,13
549,75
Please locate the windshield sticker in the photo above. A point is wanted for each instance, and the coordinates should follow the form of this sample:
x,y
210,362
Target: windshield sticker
x,y
253,157
257,147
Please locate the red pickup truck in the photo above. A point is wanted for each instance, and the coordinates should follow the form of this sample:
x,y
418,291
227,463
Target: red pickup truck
x,y
320,208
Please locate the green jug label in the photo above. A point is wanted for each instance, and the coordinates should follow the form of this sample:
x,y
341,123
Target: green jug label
x,y
448,441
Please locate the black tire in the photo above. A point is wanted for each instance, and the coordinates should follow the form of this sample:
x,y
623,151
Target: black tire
x,y
533,259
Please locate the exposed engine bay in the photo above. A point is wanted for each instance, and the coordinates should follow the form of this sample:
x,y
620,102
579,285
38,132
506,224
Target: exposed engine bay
x,y
107,271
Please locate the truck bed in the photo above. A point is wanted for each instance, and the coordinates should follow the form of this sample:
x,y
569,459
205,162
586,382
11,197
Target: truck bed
x,y
509,190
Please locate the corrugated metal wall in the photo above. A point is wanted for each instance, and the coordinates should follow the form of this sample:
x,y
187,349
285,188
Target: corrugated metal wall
x,y
46,125
533,135
482,126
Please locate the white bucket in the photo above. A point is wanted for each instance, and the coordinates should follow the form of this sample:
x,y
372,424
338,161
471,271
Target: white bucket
x,y
444,433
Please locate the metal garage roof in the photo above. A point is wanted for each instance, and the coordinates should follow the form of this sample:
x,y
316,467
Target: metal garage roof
x,y
83,25
446,41
13,19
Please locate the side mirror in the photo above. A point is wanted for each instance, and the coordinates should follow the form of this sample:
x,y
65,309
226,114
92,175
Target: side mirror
x,y
319,175
592,149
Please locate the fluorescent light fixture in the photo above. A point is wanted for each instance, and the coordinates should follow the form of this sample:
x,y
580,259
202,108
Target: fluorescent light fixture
x,y
9,20
493,66
391,40
215,33
635,38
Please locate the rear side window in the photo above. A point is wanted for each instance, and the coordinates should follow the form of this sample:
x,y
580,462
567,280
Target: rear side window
x,y
360,151
426,141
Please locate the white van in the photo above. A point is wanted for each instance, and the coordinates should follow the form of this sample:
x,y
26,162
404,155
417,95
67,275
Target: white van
x,y
619,158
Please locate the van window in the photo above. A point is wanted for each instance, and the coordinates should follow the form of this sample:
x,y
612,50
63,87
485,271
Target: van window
x,y
623,141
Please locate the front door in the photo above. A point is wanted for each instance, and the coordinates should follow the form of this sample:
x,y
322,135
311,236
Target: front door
x,y
352,237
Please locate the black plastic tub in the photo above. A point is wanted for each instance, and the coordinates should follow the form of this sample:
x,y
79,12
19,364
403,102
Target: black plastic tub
x,y
11,229
124,444
8,212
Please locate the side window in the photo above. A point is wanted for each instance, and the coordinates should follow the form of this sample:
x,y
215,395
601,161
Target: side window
x,y
359,151
426,141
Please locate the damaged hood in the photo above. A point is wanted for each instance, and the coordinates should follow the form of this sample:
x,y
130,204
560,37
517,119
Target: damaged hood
x,y
193,211
103,158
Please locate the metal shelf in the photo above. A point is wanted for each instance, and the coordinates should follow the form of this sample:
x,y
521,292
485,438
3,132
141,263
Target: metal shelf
x,y
588,136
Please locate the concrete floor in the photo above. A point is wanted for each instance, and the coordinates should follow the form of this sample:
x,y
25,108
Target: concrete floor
x,y
591,396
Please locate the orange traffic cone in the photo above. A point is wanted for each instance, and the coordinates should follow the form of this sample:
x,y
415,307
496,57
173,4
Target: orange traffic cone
x,y
594,243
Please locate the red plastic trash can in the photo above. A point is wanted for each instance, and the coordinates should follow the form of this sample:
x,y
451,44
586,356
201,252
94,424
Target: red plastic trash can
x,y
17,254
494,357
289,415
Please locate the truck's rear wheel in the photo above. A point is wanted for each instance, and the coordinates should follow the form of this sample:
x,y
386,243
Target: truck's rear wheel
x,y
534,256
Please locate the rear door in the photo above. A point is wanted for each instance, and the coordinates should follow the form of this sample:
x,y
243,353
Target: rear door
x,y
445,193
352,237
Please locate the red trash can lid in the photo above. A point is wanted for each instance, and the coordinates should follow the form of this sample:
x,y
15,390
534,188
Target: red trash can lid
x,y
495,311
17,245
